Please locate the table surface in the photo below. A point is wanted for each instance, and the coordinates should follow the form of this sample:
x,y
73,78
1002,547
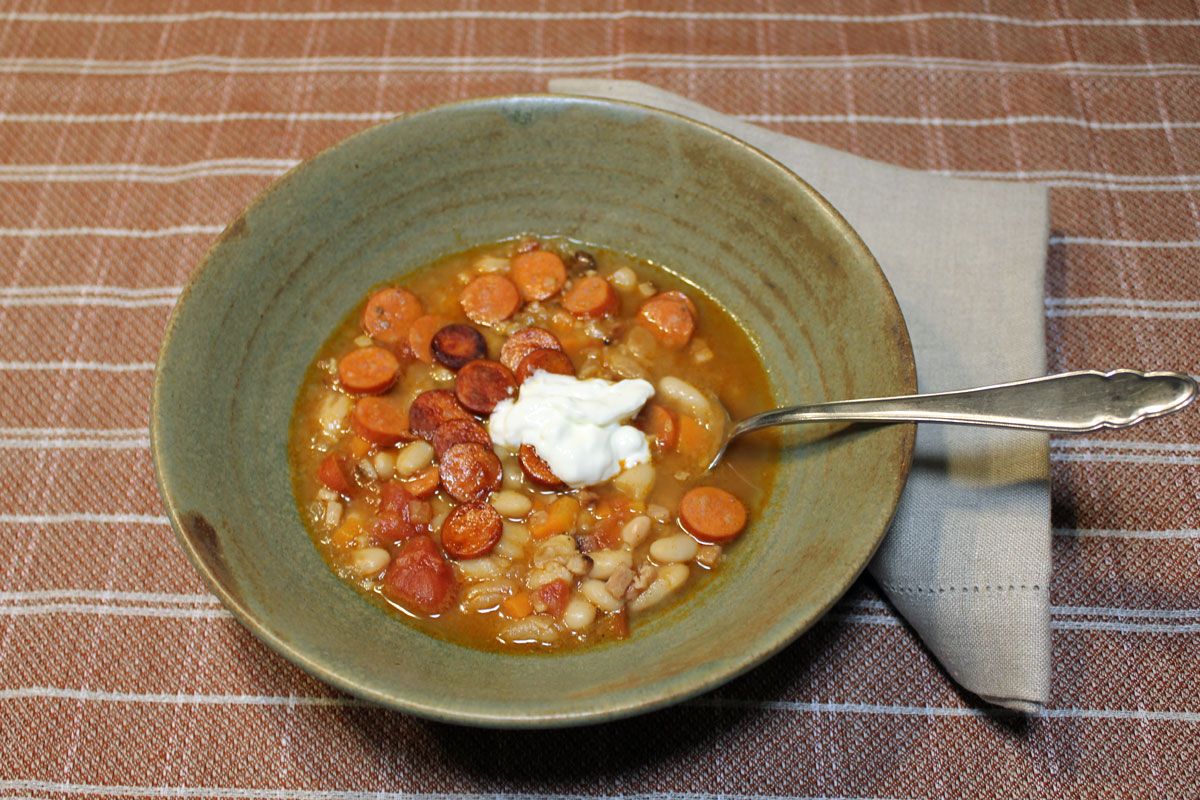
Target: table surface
x,y
131,132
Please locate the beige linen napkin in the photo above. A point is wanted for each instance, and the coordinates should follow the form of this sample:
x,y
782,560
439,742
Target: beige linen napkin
x,y
967,560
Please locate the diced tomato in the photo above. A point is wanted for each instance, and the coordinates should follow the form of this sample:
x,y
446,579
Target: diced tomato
x,y
332,475
391,527
554,595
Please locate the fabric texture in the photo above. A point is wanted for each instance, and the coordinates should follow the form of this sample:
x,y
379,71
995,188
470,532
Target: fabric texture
x,y
131,133
967,559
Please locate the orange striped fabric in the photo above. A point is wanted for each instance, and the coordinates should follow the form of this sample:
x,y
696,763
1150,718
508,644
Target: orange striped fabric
x,y
130,132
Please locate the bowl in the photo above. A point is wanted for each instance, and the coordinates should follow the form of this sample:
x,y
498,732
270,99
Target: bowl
x,y
723,215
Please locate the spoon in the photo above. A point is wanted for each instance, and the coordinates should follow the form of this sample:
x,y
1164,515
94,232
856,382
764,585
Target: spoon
x,y
1071,402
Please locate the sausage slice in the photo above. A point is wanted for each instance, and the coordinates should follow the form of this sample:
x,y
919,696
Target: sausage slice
x,y
368,370
489,299
536,469
538,274
554,361
592,297
524,342
421,333
389,313
455,345
458,431
471,530
481,384
711,514
430,410
669,318
470,472
379,421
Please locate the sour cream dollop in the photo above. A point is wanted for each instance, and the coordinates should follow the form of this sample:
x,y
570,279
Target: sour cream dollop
x,y
575,425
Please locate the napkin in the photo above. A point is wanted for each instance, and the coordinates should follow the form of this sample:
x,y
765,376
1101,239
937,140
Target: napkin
x,y
967,559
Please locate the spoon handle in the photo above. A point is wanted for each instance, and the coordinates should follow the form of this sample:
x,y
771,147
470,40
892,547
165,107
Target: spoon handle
x,y
1071,402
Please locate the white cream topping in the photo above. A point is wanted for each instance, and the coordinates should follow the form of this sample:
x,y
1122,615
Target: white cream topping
x,y
575,425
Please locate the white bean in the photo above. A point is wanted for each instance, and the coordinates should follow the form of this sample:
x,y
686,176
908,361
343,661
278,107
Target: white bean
x,y
385,464
636,482
491,264
415,457
531,629
479,568
687,397
670,578
333,513
579,614
326,494
635,531
369,560
513,477
366,468
675,575
624,279
333,411
709,555
660,513
513,505
675,548
363,341
606,562
512,540
598,595
486,595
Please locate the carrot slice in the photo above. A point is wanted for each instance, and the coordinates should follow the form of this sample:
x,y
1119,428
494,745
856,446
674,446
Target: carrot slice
x,y
518,606
538,274
559,518
489,299
368,370
378,421
592,296
388,314
420,335
711,514
669,318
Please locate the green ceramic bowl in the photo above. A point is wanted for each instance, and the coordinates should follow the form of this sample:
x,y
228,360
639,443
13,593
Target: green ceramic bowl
x,y
629,178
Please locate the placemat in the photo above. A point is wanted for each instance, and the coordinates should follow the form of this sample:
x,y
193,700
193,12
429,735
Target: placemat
x,y
132,132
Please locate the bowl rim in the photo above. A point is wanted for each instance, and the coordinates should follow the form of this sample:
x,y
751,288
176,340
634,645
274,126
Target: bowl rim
x,y
709,677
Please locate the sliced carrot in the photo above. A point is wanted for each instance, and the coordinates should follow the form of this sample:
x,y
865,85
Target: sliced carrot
x,y
694,439
592,296
368,370
349,530
489,299
388,314
517,606
420,335
538,274
424,483
560,518
661,424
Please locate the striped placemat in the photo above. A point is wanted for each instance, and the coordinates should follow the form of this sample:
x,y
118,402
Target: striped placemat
x,y
131,132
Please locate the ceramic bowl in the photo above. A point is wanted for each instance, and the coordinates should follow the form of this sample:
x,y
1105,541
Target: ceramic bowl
x,y
726,217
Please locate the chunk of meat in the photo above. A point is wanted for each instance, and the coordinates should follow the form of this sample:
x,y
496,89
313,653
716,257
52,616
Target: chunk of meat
x,y
420,579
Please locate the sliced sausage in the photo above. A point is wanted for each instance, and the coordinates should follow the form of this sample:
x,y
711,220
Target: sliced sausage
x,y
592,297
481,384
669,318
661,424
489,299
554,361
536,469
389,313
331,473
455,345
524,342
538,274
379,421
420,579
687,301
471,530
458,431
421,333
470,472
434,408
368,370
711,514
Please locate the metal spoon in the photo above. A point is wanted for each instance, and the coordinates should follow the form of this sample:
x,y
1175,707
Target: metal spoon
x,y
1072,402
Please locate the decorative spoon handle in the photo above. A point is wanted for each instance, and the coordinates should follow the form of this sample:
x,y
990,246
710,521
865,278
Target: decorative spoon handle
x,y
1072,402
